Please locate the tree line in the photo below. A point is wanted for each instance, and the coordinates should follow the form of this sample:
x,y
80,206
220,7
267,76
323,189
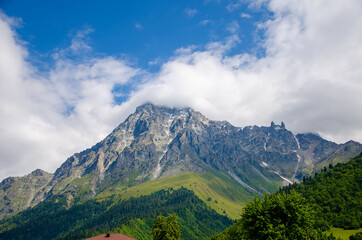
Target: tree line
x,y
304,211
133,217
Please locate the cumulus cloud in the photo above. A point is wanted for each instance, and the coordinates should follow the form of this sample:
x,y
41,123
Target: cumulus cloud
x,y
46,117
309,77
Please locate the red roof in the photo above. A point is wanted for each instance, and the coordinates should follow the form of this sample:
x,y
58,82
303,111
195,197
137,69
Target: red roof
x,y
112,236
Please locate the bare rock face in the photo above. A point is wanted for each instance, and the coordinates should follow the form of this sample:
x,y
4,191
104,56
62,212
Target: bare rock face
x,y
19,193
138,150
155,142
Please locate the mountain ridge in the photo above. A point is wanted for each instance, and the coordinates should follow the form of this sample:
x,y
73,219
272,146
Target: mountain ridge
x,y
156,142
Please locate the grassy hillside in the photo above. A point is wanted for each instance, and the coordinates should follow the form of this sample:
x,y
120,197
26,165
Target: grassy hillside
x,y
343,234
218,191
133,216
131,210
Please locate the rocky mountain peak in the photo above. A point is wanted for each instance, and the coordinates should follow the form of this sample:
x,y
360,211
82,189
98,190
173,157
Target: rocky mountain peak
x,y
277,127
141,142
39,172
19,193
157,141
151,110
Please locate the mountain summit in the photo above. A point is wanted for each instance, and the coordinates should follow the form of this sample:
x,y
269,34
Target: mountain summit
x,y
156,142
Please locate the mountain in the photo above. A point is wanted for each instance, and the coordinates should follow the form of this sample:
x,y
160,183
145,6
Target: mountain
x,y
334,195
158,142
19,193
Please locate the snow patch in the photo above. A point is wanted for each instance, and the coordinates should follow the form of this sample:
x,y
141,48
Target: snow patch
x,y
94,193
264,164
236,178
284,178
197,129
101,176
157,171
125,139
296,139
299,158
171,116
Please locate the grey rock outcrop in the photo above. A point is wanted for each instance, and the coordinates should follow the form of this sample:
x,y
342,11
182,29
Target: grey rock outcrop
x,y
19,193
156,142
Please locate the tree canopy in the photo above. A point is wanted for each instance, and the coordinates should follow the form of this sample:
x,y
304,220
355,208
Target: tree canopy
x,y
166,228
335,194
277,216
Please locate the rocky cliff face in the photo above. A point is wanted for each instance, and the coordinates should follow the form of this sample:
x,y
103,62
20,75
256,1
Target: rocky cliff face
x,y
155,142
19,193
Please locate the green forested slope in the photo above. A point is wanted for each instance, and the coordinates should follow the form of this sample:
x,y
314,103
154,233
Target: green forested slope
x,y
335,194
334,197
133,216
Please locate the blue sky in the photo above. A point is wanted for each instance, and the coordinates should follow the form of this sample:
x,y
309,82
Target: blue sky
x,y
146,32
71,71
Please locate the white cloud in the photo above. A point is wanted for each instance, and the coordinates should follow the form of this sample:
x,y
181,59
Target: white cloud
x,y
233,27
245,15
190,12
204,22
47,117
310,78
78,43
233,6
156,61
138,26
